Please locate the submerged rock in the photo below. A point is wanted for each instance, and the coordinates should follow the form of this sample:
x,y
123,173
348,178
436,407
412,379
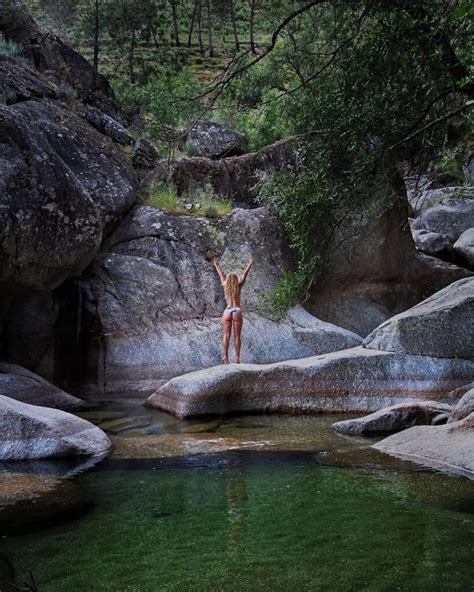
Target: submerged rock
x,y
395,418
355,380
442,325
212,140
22,385
31,432
448,446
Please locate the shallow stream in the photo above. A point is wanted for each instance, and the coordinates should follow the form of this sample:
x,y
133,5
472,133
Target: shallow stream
x,y
250,503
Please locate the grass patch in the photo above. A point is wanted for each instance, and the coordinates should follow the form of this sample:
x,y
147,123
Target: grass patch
x,y
204,203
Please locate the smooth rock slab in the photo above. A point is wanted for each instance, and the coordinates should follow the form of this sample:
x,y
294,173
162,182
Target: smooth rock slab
x,y
31,432
27,387
394,419
441,326
354,380
449,446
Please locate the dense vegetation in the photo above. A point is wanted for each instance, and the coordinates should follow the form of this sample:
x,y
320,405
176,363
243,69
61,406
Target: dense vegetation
x,y
365,86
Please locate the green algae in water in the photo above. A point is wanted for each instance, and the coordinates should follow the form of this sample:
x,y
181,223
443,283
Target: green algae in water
x,y
253,523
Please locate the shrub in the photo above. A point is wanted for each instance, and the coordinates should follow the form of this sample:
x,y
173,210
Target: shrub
x,y
9,48
66,92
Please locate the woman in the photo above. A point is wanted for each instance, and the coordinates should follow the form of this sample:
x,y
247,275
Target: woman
x,y
232,285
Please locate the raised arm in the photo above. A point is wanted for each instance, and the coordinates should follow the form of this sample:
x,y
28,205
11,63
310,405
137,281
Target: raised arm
x,y
243,277
219,270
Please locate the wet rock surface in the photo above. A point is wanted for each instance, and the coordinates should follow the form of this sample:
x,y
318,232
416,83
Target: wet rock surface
x,y
449,445
396,418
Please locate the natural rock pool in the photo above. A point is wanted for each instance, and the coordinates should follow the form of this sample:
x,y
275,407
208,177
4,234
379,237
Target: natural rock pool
x,y
234,504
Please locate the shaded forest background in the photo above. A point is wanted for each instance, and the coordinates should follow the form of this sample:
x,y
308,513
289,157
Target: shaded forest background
x,y
371,89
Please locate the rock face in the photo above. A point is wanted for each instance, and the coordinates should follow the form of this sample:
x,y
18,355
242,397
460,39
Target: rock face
x,y
355,380
448,446
464,247
394,419
464,407
212,140
233,177
31,432
442,325
155,299
64,185
27,387
61,188
372,271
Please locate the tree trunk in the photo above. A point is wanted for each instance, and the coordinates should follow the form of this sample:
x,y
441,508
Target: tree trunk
x,y
175,23
199,23
234,25
96,45
191,26
252,22
210,46
131,58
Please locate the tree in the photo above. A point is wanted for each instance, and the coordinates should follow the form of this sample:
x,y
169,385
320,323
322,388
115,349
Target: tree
x,y
175,22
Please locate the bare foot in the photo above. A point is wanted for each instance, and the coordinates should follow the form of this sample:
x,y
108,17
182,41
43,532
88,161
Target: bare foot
x,y
226,360
237,361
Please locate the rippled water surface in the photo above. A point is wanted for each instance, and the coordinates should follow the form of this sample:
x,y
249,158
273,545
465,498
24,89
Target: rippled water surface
x,y
237,504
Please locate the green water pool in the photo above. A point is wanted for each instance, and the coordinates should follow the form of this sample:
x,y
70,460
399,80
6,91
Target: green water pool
x,y
264,512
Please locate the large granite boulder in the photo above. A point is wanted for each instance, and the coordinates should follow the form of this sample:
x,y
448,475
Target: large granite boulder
x,y
441,326
395,418
48,52
432,243
464,247
25,386
448,212
464,407
32,432
355,380
212,140
61,188
154,301
371,270
448,446
234,177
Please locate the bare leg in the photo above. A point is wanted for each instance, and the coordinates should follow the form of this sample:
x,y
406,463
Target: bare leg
x,y
226,328
238,320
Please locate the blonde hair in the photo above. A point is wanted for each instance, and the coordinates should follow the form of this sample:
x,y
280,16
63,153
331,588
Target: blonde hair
x,y
231,286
